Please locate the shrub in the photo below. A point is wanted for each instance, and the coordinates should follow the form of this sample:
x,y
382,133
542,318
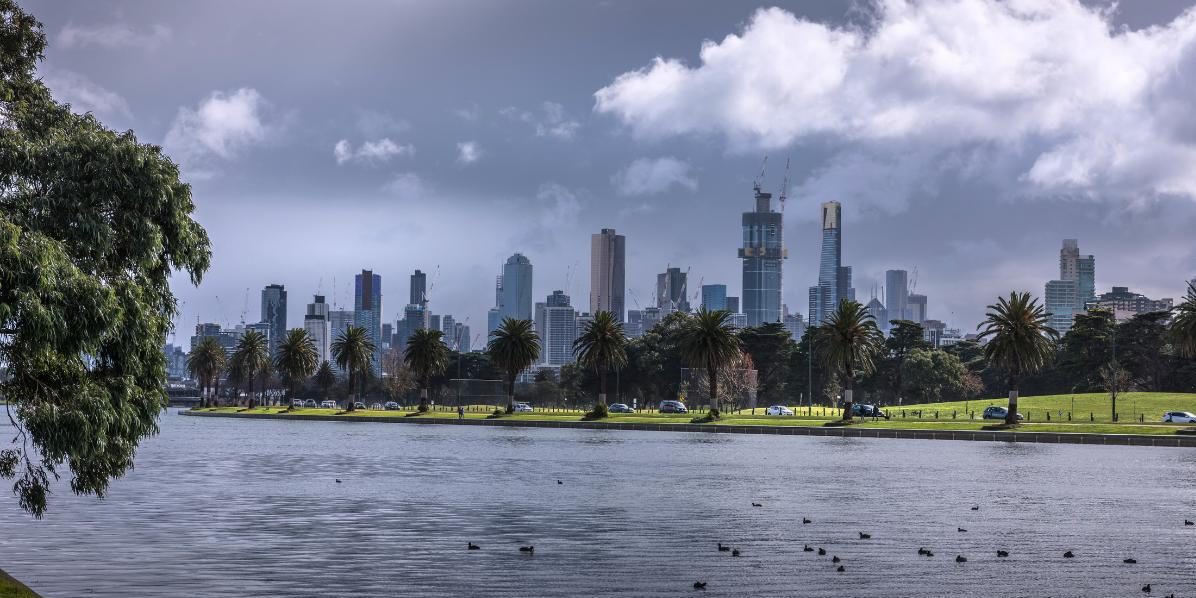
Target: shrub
x,y
423,407
598,412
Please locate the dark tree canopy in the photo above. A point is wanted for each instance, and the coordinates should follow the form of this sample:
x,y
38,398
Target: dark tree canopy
x,y
92,225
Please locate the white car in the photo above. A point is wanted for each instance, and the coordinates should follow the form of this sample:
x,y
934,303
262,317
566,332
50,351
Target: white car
x,y
328,405
523,408
1179,417
779,410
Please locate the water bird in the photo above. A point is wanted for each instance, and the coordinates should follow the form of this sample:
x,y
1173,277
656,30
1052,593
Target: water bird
x,y
928,553
722,548
821,552
1002,553
805,521
807,548
527,549
1130,562
1146,588
1068,555
975,507
473,546
960,559
840,569
699,585
756,504
735,552
961,530
338,480
559,482
864,536
1188,522
835,560
922,551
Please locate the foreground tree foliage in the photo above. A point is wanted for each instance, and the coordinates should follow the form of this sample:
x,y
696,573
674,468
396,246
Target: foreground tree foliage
x,y
849,343
708,341
205,363
1019,341
426,355
92,224
297,359
602,346
514,348
354,354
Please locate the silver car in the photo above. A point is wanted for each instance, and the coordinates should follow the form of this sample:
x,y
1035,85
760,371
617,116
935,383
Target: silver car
x,y
1179,417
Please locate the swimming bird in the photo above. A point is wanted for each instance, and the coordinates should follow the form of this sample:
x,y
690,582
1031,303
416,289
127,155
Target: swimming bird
x,y
559,482
922,551
864,536
928,553
821,552
1130,562
960,559
840,569
735,552
756,504
805,521
961,530
807,548
1146,588
338,480
699,585
527,549
1002,553
975,507
835,560
1188,522
1068,555
722,548
473,546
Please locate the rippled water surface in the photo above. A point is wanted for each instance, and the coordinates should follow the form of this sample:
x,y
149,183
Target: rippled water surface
x,y
223,507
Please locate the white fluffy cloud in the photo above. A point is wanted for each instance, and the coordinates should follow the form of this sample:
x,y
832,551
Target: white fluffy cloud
x,y
550,120
1048,91
221,126
380,150
84,95
646,176
468,152
114,35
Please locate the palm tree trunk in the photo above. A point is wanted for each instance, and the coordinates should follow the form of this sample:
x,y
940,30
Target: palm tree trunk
x,y
423,398
1011,415
216,392
713,373
250,399
602,386
511,391
847,398
349,399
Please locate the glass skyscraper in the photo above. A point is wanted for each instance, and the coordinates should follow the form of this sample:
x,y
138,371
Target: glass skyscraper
x,y
274,313
762,253
714,296
367,312
516,288
608,272
834,280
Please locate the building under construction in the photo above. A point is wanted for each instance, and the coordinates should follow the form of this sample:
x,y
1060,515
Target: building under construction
x,y
762,253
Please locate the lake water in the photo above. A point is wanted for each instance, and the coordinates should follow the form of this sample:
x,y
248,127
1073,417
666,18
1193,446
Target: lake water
x,y
238,508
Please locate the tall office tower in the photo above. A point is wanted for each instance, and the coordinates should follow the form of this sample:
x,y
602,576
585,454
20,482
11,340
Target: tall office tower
x,y
517,288
671,291
559,329
415,317
388,334
367,311
419,288
1085,281
318,327
274,313
1078,271
1069,260
461,333
608,270
897,294
714,296
493,320
796,326
843,287
917,308
733,304
433,321
448,326
825,297
1060,304
877,310
339,320
762,253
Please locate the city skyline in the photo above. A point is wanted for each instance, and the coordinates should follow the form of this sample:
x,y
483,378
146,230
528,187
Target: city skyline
x,y
538,158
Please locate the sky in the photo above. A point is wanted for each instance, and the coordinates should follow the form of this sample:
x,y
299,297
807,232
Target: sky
x,y
964,138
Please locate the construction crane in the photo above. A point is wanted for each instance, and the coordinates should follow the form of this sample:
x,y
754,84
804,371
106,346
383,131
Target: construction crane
x,y
913,281
756,184
784,186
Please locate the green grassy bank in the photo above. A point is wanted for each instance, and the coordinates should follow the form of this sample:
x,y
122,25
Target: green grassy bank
x,y
11,588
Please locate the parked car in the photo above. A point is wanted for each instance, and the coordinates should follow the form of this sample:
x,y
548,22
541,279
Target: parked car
x,y
995,412
1179,417
327,404
673,407
359,405
297,403
310,403
778,410
523,408
391,406
620,408
866,410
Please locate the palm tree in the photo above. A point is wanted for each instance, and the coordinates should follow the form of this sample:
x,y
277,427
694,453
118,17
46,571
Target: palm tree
x,y
253,357
850,341
1183,327
354,353
602,346
325,377
297,358
205,363
426,355
709,341
1019,340
514,347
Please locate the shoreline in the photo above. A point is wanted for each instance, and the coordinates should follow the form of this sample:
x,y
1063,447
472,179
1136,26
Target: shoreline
x,y
1088,438
10,586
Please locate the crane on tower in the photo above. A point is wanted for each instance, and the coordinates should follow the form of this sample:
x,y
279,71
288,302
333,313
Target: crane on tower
x,y
784,187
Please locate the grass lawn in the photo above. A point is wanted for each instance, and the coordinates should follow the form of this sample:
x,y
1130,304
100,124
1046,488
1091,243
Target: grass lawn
x,y
1151,405
11,588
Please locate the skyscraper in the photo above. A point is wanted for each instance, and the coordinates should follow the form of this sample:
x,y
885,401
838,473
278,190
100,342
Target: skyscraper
x,y
733,305
1076,271
274,313
419,288
877,310
672,291
896,295
762,253
917,308
607,272
714,296
557,328
834,279
318,327
516,288
367,310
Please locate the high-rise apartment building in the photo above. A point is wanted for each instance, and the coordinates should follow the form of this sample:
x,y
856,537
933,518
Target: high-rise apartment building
x,y
367,311
1078,271
419,288
318,326
733,305
795,325
274,313
608,272
671,290
516,288
917,308
763,252
834,279
714,296
557,324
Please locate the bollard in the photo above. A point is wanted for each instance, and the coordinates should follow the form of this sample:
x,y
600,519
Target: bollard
x,y
1048,416
936,414
952,414
1091,418
1068,416
1142,418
